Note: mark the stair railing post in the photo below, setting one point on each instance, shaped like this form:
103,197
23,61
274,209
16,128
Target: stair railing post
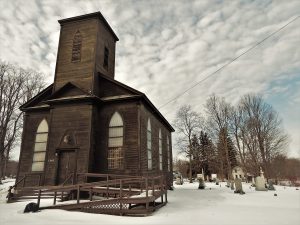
121,193
107,186
39,198
91,193
147,202
78,193
54,200
161,189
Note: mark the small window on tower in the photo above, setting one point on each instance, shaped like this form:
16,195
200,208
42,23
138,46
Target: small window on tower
76,49
106,53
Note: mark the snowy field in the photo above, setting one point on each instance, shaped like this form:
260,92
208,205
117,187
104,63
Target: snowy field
187,205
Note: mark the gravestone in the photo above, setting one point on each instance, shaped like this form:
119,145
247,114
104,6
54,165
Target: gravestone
217,181
260,184
201,183
227,183
178,181
232,185
238,186
271,186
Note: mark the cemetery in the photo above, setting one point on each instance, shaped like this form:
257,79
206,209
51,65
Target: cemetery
216,204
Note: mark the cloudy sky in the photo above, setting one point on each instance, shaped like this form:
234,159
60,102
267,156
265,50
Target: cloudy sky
167,46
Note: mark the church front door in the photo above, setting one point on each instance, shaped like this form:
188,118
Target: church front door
66,167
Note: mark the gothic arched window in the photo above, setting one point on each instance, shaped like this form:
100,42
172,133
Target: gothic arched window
76,49
160,149
115,142
40,147
149,145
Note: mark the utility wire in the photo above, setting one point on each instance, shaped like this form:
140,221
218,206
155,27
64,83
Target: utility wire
227,64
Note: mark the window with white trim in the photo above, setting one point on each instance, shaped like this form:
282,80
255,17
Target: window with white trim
40,147
160,149
115,142
149,145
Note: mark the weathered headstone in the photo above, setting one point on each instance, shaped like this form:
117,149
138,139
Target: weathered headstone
201,183
238,186
178,181
271,186
232,185
228,184
260,184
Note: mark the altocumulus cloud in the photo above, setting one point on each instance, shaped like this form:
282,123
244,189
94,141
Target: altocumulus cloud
167,46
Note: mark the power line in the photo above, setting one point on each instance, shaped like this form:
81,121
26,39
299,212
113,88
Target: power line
227,64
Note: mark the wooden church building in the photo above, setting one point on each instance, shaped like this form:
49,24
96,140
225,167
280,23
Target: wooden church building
86,121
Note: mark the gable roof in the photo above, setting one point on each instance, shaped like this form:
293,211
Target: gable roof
43,95
124,86
46,97
68,86
137,95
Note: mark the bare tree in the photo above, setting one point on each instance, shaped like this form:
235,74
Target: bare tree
261,131
218,121
17,86
187,123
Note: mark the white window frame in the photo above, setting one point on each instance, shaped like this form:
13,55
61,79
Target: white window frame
40,147
160,156
115,155
149,145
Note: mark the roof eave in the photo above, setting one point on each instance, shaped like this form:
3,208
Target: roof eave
89,16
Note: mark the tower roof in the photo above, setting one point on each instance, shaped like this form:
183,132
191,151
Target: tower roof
89,16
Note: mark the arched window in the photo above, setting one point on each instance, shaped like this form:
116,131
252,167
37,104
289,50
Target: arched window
169,155
76,49
160,149
115,142
40,147
149,145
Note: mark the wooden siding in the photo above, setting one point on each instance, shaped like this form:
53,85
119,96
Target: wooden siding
129,114
155,126
70,117
31,123
81,72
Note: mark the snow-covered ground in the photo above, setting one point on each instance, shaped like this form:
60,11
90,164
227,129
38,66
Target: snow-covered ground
187,205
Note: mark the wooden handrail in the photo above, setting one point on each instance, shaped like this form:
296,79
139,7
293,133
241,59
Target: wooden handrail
70,175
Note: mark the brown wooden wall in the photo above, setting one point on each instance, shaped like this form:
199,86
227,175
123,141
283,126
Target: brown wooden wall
155,126
81,72
103,114
75,118
31,122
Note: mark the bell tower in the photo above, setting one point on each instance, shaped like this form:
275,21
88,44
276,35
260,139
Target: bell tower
87,46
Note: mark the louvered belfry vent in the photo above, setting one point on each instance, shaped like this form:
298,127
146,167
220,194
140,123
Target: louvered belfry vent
76,50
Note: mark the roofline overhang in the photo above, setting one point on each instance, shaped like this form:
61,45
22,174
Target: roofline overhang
89,16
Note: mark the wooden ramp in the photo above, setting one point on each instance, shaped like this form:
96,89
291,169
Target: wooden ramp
136,196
